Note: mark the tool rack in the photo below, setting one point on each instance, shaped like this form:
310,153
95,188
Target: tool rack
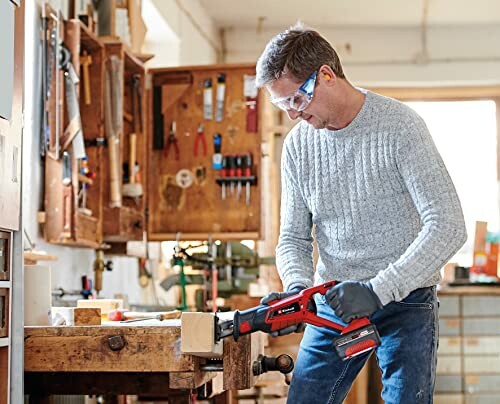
198,211
125,223
64,222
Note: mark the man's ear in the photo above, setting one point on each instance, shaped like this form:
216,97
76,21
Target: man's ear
327,73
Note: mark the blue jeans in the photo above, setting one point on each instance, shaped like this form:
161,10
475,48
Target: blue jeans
406,356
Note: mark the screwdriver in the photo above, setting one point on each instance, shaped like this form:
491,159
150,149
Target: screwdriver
247,172
223,174
239,173
230,172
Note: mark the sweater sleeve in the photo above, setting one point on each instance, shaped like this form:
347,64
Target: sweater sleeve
442,231
294,250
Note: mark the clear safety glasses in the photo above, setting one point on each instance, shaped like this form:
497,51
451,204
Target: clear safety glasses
302,97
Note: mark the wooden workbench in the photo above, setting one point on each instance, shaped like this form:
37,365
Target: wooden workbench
128,358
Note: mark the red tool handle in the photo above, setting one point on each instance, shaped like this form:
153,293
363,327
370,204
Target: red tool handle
292,310
300,308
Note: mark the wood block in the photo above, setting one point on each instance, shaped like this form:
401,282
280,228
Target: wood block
239,357
198,335
480,236
87,315
106,305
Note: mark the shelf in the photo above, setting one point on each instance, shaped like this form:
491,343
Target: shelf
4,284
226,236
88,39
243,180
4,342
32,257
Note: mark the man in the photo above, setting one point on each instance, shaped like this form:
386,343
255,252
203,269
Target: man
364,170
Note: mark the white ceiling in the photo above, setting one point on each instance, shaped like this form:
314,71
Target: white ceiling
336,13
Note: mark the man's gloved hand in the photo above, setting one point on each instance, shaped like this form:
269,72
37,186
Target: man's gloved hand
282,295
352,300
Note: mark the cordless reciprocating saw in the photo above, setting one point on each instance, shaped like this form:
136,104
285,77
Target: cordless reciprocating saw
357,337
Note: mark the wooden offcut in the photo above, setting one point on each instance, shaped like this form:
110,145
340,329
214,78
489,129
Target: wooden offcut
87,316
237,357
104,305
198,335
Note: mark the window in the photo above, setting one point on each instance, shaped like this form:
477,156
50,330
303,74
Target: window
465,134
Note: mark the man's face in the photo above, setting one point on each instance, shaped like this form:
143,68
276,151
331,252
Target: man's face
288,86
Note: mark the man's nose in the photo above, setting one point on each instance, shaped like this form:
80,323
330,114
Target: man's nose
293,114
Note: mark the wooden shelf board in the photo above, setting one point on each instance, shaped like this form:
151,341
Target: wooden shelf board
204,236
31,257
73,243
89,39
132,62
203,67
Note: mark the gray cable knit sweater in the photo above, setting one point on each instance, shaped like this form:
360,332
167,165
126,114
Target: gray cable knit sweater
382,202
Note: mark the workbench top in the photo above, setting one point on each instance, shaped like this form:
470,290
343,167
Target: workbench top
144,348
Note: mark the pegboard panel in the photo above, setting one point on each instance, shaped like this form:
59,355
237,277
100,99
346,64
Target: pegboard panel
198,211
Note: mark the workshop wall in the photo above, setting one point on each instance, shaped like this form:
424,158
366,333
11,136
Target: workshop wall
75,262
195,30
383,56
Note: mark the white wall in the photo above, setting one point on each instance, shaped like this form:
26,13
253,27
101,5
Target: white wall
388,56
196,33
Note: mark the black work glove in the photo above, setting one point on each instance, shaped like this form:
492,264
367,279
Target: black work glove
282,295
352,300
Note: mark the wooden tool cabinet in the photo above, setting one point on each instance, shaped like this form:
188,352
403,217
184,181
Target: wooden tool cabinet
198,211
65,222
127,222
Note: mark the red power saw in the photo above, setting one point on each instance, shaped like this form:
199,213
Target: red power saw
357,337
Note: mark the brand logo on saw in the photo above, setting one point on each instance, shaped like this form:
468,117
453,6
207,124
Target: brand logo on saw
286,310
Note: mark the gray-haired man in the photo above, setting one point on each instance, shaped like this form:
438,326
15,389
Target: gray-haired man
364,170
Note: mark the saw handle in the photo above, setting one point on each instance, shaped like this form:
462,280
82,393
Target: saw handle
295,309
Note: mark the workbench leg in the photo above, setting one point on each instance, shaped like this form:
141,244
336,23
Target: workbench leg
180,400
227,397
39,399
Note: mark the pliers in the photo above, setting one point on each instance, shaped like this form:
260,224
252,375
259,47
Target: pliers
172,140
200,137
